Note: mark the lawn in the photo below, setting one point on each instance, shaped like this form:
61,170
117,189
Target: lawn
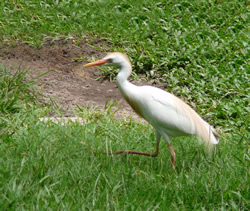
198,48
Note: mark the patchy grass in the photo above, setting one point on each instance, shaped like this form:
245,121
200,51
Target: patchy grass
199,48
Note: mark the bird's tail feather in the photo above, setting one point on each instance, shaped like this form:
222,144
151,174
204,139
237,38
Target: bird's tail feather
208,134
205,132
202,129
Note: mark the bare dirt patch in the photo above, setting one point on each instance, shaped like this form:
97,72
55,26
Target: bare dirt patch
69,83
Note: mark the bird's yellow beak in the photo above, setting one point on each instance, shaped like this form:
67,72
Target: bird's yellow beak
99,62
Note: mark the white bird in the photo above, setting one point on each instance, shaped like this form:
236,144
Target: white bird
169,115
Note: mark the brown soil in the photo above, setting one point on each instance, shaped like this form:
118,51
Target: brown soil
69,83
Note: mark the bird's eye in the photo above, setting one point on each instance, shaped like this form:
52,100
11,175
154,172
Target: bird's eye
109,60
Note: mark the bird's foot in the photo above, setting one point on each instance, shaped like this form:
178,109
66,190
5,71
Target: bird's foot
119,153
123,152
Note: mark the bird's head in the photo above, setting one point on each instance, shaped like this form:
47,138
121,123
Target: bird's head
116,58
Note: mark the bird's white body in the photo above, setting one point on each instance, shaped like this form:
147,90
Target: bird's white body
169,115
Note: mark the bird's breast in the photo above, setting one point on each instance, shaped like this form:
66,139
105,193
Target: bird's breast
134,104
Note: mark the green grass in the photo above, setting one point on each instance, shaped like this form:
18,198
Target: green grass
51,166
199,48
60,167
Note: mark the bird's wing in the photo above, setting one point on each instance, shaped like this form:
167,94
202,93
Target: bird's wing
166,111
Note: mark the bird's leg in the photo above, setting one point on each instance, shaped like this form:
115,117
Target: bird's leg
123,152
165,136
172,155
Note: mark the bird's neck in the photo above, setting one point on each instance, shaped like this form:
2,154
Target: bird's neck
128,90
122,77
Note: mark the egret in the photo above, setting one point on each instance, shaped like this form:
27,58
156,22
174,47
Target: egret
169,115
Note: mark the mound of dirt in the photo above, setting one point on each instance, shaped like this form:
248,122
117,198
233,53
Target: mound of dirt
69,84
